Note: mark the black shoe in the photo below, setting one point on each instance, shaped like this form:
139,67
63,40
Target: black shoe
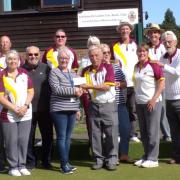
96,166
30,167
47,166
2,169
111,167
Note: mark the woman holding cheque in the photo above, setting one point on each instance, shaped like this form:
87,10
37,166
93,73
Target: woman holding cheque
64,106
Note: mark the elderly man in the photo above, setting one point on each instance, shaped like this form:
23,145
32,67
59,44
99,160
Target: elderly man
5,46
171,64
156,50
102,110
39,74
50,55
124,50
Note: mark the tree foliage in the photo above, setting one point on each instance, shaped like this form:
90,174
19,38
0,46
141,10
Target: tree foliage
169,24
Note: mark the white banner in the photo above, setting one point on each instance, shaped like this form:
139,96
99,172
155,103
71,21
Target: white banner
110,17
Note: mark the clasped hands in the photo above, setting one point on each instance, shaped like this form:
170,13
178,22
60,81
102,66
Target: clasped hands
20,111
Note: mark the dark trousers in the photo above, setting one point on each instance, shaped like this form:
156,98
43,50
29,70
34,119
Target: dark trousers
46,129
173,115
131,106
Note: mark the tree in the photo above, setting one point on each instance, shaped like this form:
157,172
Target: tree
169,20
169,23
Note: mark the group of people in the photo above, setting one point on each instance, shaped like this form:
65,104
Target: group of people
122,83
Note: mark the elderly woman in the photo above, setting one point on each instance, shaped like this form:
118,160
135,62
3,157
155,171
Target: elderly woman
16,93
123,116
149,83
64,105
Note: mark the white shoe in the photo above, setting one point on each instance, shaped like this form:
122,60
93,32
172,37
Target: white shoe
135,139
119,139
150,164
139,162
24,172
14,172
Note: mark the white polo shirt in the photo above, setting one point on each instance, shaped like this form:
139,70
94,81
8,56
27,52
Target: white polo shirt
2,63
16,91
155,53
126,54
104,75
145,79
172,75
50,57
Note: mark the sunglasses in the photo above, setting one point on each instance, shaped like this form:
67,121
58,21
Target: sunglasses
106,52
57,36
35,54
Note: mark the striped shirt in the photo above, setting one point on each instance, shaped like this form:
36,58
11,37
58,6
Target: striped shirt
119,77
62,91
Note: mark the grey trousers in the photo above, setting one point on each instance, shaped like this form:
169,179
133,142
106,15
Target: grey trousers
173,115
149,123
104,120
16,136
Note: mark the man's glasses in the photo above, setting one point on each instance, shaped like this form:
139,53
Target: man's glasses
168,42
57,36
106,52
35,54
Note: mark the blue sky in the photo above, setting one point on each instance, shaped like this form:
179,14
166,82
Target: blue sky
157,8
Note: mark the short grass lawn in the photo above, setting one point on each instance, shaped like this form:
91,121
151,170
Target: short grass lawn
81,158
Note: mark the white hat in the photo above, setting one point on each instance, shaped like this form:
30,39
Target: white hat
153,27
121,24
93,40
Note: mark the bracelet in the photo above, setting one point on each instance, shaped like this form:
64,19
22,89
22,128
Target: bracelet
27,105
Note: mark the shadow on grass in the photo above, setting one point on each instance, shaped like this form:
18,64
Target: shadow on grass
80,152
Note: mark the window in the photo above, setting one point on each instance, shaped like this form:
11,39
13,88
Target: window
8,6
59,3
19,5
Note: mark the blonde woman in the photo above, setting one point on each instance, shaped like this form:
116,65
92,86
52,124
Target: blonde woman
16,93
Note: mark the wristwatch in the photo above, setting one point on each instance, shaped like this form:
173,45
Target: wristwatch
27,105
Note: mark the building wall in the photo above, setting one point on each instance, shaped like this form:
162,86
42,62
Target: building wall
37,28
